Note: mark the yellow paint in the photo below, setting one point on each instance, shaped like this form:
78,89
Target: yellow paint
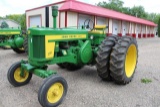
100,26
130,61
64,37
55,93
49,46
8,33
22,49
29,31
19,78
96,32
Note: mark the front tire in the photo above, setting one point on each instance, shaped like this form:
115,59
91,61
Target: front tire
14,76
124,60
53,91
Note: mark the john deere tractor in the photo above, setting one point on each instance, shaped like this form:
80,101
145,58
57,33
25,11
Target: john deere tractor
115,58
12,37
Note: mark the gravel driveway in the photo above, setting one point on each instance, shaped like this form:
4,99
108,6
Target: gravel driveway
86,89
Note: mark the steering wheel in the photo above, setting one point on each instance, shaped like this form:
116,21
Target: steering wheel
88,26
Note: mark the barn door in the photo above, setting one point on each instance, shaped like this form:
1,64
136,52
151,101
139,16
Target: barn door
35,21
115,27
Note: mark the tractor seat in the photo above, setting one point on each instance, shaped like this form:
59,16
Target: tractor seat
96,32
101,27
98,29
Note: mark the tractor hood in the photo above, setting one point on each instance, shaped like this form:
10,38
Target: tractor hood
51,31
10,31
44,42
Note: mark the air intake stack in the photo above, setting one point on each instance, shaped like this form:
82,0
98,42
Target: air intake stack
54,14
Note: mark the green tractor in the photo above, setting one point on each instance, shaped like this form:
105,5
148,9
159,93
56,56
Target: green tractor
12,38
115,58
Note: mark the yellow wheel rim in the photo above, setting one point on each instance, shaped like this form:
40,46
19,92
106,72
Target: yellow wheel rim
19,78
55,92
7,47
22,49
130,61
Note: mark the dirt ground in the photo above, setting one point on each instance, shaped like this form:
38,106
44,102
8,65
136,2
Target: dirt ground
85,88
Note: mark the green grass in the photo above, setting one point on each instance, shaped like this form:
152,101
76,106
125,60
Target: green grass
146,80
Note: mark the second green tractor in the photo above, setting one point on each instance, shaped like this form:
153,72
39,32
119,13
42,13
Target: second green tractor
115,58
14,39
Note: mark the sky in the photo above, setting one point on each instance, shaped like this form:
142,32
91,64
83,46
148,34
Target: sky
18,6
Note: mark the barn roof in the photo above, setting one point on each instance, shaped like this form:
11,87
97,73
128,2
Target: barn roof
76,6
1,20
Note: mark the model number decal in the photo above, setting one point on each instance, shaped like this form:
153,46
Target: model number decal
9,33
72,36
64,37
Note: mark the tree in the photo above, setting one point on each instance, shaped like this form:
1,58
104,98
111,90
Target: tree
116,5
126,10
159,28
4,25
138,11
151,16
15,17
23,22
156,18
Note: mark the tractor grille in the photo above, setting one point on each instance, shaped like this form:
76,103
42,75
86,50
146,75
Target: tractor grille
38,46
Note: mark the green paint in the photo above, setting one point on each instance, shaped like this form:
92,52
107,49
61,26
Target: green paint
146,80
43,73
19,42
10,31
54,14
54,21
39,71
85,52
11,37
39,46
72,50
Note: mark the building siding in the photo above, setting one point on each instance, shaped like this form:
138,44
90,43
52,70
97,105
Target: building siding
110,25
72,19
62,18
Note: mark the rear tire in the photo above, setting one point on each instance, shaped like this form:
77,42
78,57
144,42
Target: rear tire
103,57
124,60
